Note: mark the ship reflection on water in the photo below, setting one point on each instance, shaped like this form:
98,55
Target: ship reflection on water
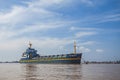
17,71
30,72
51,72
70,72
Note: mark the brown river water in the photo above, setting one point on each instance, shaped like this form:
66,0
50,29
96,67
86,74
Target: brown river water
16,71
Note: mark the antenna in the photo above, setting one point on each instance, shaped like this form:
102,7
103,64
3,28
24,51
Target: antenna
74,47
30,44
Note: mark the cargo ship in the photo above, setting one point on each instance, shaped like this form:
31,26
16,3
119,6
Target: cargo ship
31,56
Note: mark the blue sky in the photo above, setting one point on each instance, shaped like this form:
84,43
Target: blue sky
53,25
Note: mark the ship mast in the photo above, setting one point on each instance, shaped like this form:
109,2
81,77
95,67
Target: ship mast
74,47
30,44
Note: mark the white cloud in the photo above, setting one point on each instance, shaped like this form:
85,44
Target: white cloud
18,17
19,20
30,13
54,4
7,33
99,50
109,18
39,16
88,43
58,3
45,3
84,49
45,46
88,2
11,45
83,34
87,50
102,18
87,21
22,15
15,15
84,29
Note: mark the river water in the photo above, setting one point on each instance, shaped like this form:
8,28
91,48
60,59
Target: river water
16,71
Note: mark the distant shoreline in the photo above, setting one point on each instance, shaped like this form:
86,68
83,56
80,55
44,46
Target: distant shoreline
103,62
86,62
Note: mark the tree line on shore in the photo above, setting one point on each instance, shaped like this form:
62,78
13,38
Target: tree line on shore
102,62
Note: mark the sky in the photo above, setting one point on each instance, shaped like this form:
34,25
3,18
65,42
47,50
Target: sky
53,25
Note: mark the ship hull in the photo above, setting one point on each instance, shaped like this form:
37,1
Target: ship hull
75,61
68,59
